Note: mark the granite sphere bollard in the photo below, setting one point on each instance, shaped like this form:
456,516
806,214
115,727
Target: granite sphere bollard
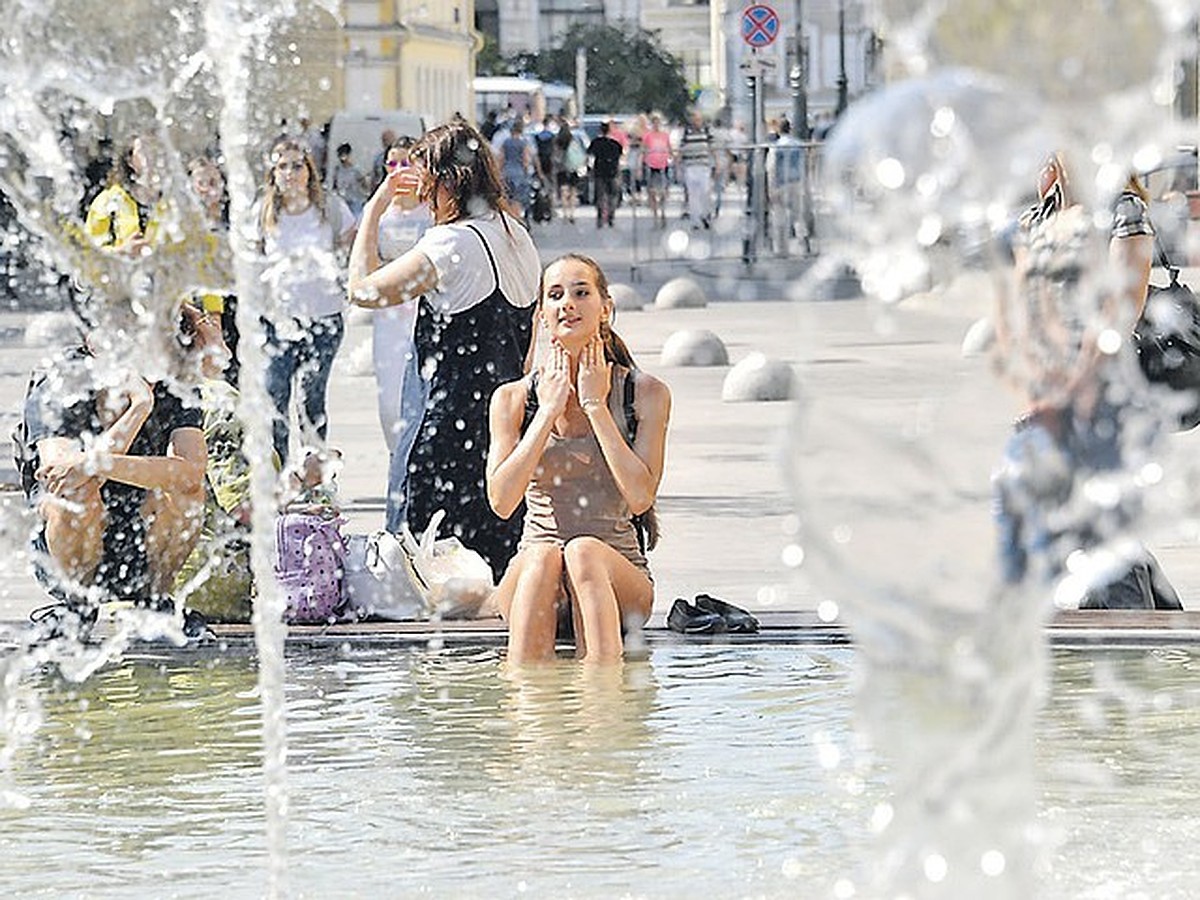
758,378
698,347
680,293
625,297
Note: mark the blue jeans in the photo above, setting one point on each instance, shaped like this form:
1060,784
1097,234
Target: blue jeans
414,393
307,355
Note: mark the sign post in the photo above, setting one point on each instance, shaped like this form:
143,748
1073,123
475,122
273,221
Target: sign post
759,28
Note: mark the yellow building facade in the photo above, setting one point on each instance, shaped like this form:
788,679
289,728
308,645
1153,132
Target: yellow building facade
417,55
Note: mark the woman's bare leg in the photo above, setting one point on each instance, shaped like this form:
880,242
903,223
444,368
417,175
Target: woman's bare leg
75,531
527,598
608,590
173,523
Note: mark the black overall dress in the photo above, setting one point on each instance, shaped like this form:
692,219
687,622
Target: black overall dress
466,356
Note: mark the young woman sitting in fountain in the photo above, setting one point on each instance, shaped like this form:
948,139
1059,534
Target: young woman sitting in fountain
562,440
115,469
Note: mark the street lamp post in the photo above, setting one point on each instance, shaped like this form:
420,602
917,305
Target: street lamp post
799,78
843,100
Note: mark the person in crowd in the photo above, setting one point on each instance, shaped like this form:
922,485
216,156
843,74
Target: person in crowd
474,276
302,229
216,579
605,152
400,386
786,164
517,161
543,141
1087,417
696,161
125,215
569,157
96,172
114,469
489,126
582,442
656,158
544,160
633,156
739,155
348,180
315,140
208,184
619,133
379,164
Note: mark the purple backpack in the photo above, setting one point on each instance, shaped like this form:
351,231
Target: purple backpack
310,557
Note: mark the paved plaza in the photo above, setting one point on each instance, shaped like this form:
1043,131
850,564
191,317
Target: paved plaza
729,519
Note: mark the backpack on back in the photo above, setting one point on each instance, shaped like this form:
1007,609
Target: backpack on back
575,159
310,561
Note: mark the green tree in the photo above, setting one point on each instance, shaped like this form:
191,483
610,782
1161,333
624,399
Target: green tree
488,60
628,70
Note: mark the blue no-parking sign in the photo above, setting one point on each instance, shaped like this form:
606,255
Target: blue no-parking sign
760,25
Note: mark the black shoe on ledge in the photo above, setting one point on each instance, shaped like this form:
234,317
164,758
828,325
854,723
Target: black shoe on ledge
687,619
737,620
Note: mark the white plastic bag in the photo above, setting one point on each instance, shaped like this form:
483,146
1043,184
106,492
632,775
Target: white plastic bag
378,579
455,580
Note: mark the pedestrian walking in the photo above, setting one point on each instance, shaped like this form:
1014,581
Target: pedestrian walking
605,153
696,161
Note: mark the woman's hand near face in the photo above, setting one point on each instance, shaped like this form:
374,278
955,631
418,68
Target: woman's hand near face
595,373
402,182
554,385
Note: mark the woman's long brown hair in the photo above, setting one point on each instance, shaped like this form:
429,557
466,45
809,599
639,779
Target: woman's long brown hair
273,198
456,157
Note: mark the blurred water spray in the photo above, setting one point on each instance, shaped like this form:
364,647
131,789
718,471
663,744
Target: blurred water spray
923,178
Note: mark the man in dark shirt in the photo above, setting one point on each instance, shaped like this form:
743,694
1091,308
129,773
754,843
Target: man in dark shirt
115,472
605,152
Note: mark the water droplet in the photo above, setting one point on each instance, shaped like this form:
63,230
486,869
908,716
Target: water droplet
936,867
890,173
793,556
992,863
1109,341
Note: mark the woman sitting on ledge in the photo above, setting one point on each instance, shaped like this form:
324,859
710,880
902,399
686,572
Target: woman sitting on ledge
582,441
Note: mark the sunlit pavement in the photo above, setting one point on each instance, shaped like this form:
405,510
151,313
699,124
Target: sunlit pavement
728,517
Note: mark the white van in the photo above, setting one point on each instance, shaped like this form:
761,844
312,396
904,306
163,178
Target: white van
362,130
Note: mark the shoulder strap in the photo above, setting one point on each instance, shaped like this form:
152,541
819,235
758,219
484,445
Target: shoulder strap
1160,253
630,414
531,403
488,250
642,521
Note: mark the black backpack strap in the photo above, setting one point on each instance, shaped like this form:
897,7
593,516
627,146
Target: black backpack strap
627,405
488,250
531,403
1160,253
631,425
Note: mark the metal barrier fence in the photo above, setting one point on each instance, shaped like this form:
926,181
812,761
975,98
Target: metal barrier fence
784,224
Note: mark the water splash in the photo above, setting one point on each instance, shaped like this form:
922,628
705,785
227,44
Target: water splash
893,488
